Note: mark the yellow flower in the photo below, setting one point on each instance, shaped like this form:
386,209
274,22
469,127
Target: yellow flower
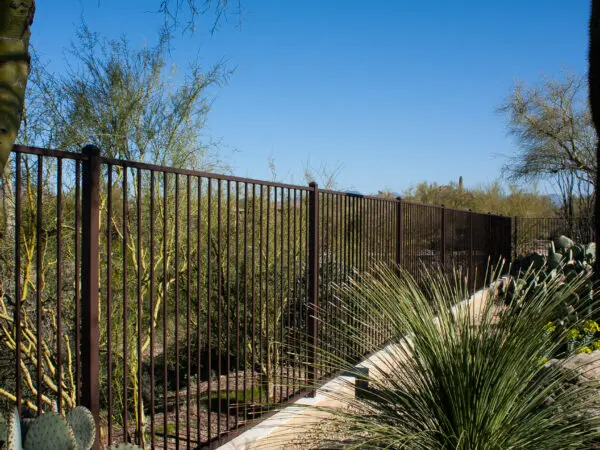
583,350
590,327
550,327
596,344
573,333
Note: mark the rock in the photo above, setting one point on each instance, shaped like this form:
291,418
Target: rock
579,371
585,367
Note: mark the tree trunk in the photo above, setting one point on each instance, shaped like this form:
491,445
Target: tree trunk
593,80
16,16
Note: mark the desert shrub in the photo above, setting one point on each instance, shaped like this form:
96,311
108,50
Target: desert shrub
460,377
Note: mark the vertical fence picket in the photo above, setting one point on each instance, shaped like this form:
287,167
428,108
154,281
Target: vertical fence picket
90,349
471,273
313,284
17,314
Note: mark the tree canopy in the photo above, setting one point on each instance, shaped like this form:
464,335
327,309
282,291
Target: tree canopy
552,124
125,100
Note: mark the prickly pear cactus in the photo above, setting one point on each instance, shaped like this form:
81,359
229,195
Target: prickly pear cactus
590,253
14,440
566,260
81,421
554,260
50,431
562,244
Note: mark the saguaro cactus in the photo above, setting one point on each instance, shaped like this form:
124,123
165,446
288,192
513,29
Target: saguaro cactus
15,21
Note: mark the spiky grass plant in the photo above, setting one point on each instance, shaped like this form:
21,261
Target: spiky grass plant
453,374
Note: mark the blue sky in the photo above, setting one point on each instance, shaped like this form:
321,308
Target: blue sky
396,92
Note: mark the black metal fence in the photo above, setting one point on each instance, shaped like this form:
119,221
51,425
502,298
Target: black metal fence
177,304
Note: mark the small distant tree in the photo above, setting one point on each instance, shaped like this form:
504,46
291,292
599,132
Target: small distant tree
324,174
552,124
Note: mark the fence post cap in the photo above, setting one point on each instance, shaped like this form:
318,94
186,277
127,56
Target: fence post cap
313,184
91,150
398,198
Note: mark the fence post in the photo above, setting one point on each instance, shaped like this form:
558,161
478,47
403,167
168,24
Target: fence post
491,253
399,235
443,240
516,238
313,284
471,279
506,241
90,188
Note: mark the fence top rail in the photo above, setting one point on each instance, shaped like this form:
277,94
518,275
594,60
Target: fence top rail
555,218
464,211
198,173
406,202
29,150
356,195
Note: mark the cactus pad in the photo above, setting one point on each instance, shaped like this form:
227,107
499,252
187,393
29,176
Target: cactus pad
554,260
14,441
82,423
50,431
578,252
590,252
562,244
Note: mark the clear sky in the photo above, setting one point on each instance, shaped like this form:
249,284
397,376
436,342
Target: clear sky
396,92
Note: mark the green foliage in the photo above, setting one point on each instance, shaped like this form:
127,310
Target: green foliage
171,429
241,404
455,376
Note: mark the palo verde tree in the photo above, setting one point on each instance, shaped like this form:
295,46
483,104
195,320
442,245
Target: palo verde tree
127,101
16,19
130,103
